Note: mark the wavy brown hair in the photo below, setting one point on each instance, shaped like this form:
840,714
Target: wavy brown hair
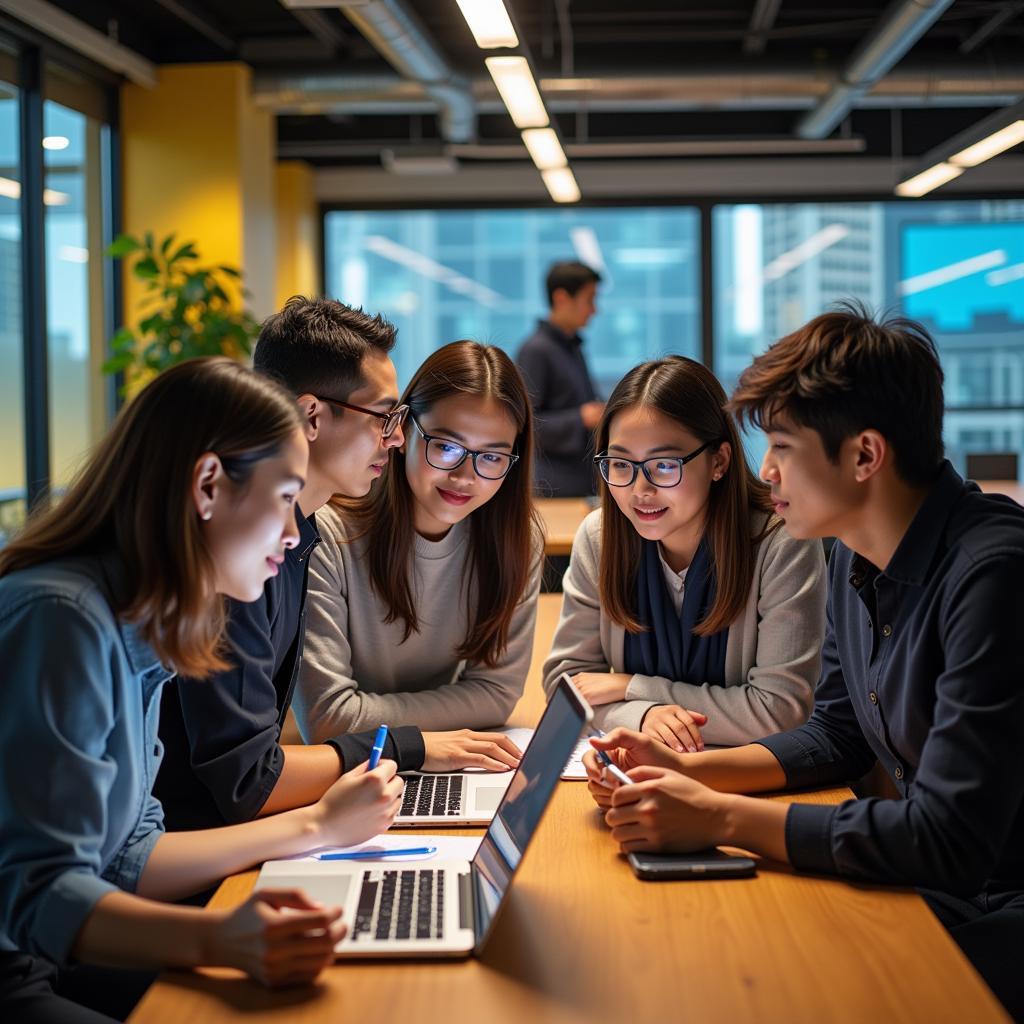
689,393
134,497
502,531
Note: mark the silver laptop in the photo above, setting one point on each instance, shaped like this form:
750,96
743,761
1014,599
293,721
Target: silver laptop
445,908
451,798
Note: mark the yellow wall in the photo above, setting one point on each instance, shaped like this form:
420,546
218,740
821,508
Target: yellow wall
298,232
198,160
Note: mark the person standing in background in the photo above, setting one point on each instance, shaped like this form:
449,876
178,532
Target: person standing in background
565,404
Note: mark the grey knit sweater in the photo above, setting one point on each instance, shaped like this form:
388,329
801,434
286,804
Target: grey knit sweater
357,672
773,651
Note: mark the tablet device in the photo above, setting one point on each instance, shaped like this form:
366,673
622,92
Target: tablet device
702,864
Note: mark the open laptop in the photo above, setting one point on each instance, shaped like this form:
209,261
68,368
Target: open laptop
469,798
444,908
451,798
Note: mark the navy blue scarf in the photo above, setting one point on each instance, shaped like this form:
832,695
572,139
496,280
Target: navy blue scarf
668,647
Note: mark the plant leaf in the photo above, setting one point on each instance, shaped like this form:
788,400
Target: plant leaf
122,246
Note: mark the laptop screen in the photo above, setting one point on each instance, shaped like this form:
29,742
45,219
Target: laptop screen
527,796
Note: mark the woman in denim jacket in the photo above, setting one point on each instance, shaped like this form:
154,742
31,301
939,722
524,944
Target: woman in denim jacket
189,498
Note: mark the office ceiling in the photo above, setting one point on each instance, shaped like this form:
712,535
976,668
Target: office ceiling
645,79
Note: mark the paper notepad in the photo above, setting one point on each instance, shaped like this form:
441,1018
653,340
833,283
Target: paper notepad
573,767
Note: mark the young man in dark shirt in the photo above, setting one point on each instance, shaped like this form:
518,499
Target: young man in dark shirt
921,665
223,762
565,403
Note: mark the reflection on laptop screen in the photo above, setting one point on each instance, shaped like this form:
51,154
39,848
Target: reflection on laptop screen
519,812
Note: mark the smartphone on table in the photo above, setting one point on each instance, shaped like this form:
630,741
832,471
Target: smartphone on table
712,863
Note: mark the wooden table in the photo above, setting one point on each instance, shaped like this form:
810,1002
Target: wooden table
1013,488
581,940
562,518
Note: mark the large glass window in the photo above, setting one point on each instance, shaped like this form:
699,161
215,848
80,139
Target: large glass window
74,145
445,275
12,424
55,222
956,266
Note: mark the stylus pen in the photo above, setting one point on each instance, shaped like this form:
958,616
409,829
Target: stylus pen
378,747
612,768
374,854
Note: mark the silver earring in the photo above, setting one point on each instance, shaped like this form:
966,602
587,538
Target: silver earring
207,514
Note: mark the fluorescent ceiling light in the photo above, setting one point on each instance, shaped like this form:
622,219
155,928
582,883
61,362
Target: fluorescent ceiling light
952,272
807,249
587,247
991,146
544,147
561,185
489,22
923,183
55,142
10,188
518,90
54,198
1005,275
426,267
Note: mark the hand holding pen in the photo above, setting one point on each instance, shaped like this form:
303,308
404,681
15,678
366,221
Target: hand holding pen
361,804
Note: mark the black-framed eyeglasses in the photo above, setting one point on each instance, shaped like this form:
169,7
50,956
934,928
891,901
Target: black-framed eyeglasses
391,420
442,453
664,471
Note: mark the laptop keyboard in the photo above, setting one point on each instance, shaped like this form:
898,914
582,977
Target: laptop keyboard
400,905
432,795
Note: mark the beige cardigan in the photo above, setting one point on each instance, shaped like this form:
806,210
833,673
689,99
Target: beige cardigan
772,655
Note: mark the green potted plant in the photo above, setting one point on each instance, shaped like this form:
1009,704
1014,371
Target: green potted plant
188,310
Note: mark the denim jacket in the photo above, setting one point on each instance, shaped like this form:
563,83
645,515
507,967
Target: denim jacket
79,708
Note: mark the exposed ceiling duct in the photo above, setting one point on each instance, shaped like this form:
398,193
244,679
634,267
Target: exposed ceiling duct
392,28
325,149
902,24
727,89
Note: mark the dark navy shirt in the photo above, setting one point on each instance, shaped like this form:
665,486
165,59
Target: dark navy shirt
557,378
221,735
922,669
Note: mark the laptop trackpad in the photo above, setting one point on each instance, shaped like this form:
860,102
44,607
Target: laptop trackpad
328,889
487,798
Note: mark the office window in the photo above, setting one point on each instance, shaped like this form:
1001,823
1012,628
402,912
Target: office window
956,266
75,146
56,203
12,423
442,275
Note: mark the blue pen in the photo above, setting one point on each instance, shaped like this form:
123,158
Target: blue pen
374,854
378,747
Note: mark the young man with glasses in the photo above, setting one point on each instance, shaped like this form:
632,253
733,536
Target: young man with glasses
223,761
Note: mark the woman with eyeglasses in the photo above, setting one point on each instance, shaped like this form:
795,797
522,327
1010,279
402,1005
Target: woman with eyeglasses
688,612
422,598
189,500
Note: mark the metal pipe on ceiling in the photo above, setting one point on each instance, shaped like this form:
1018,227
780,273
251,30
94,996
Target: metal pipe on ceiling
726,89
392,28
899,28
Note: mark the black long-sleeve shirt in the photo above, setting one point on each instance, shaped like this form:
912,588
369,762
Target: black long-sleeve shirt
221,736
922,669
558,381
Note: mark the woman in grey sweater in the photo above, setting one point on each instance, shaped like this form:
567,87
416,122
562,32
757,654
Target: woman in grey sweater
423,597
688,612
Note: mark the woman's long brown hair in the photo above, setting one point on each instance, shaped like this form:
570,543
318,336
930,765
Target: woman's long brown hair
503,532
690,394
134,498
